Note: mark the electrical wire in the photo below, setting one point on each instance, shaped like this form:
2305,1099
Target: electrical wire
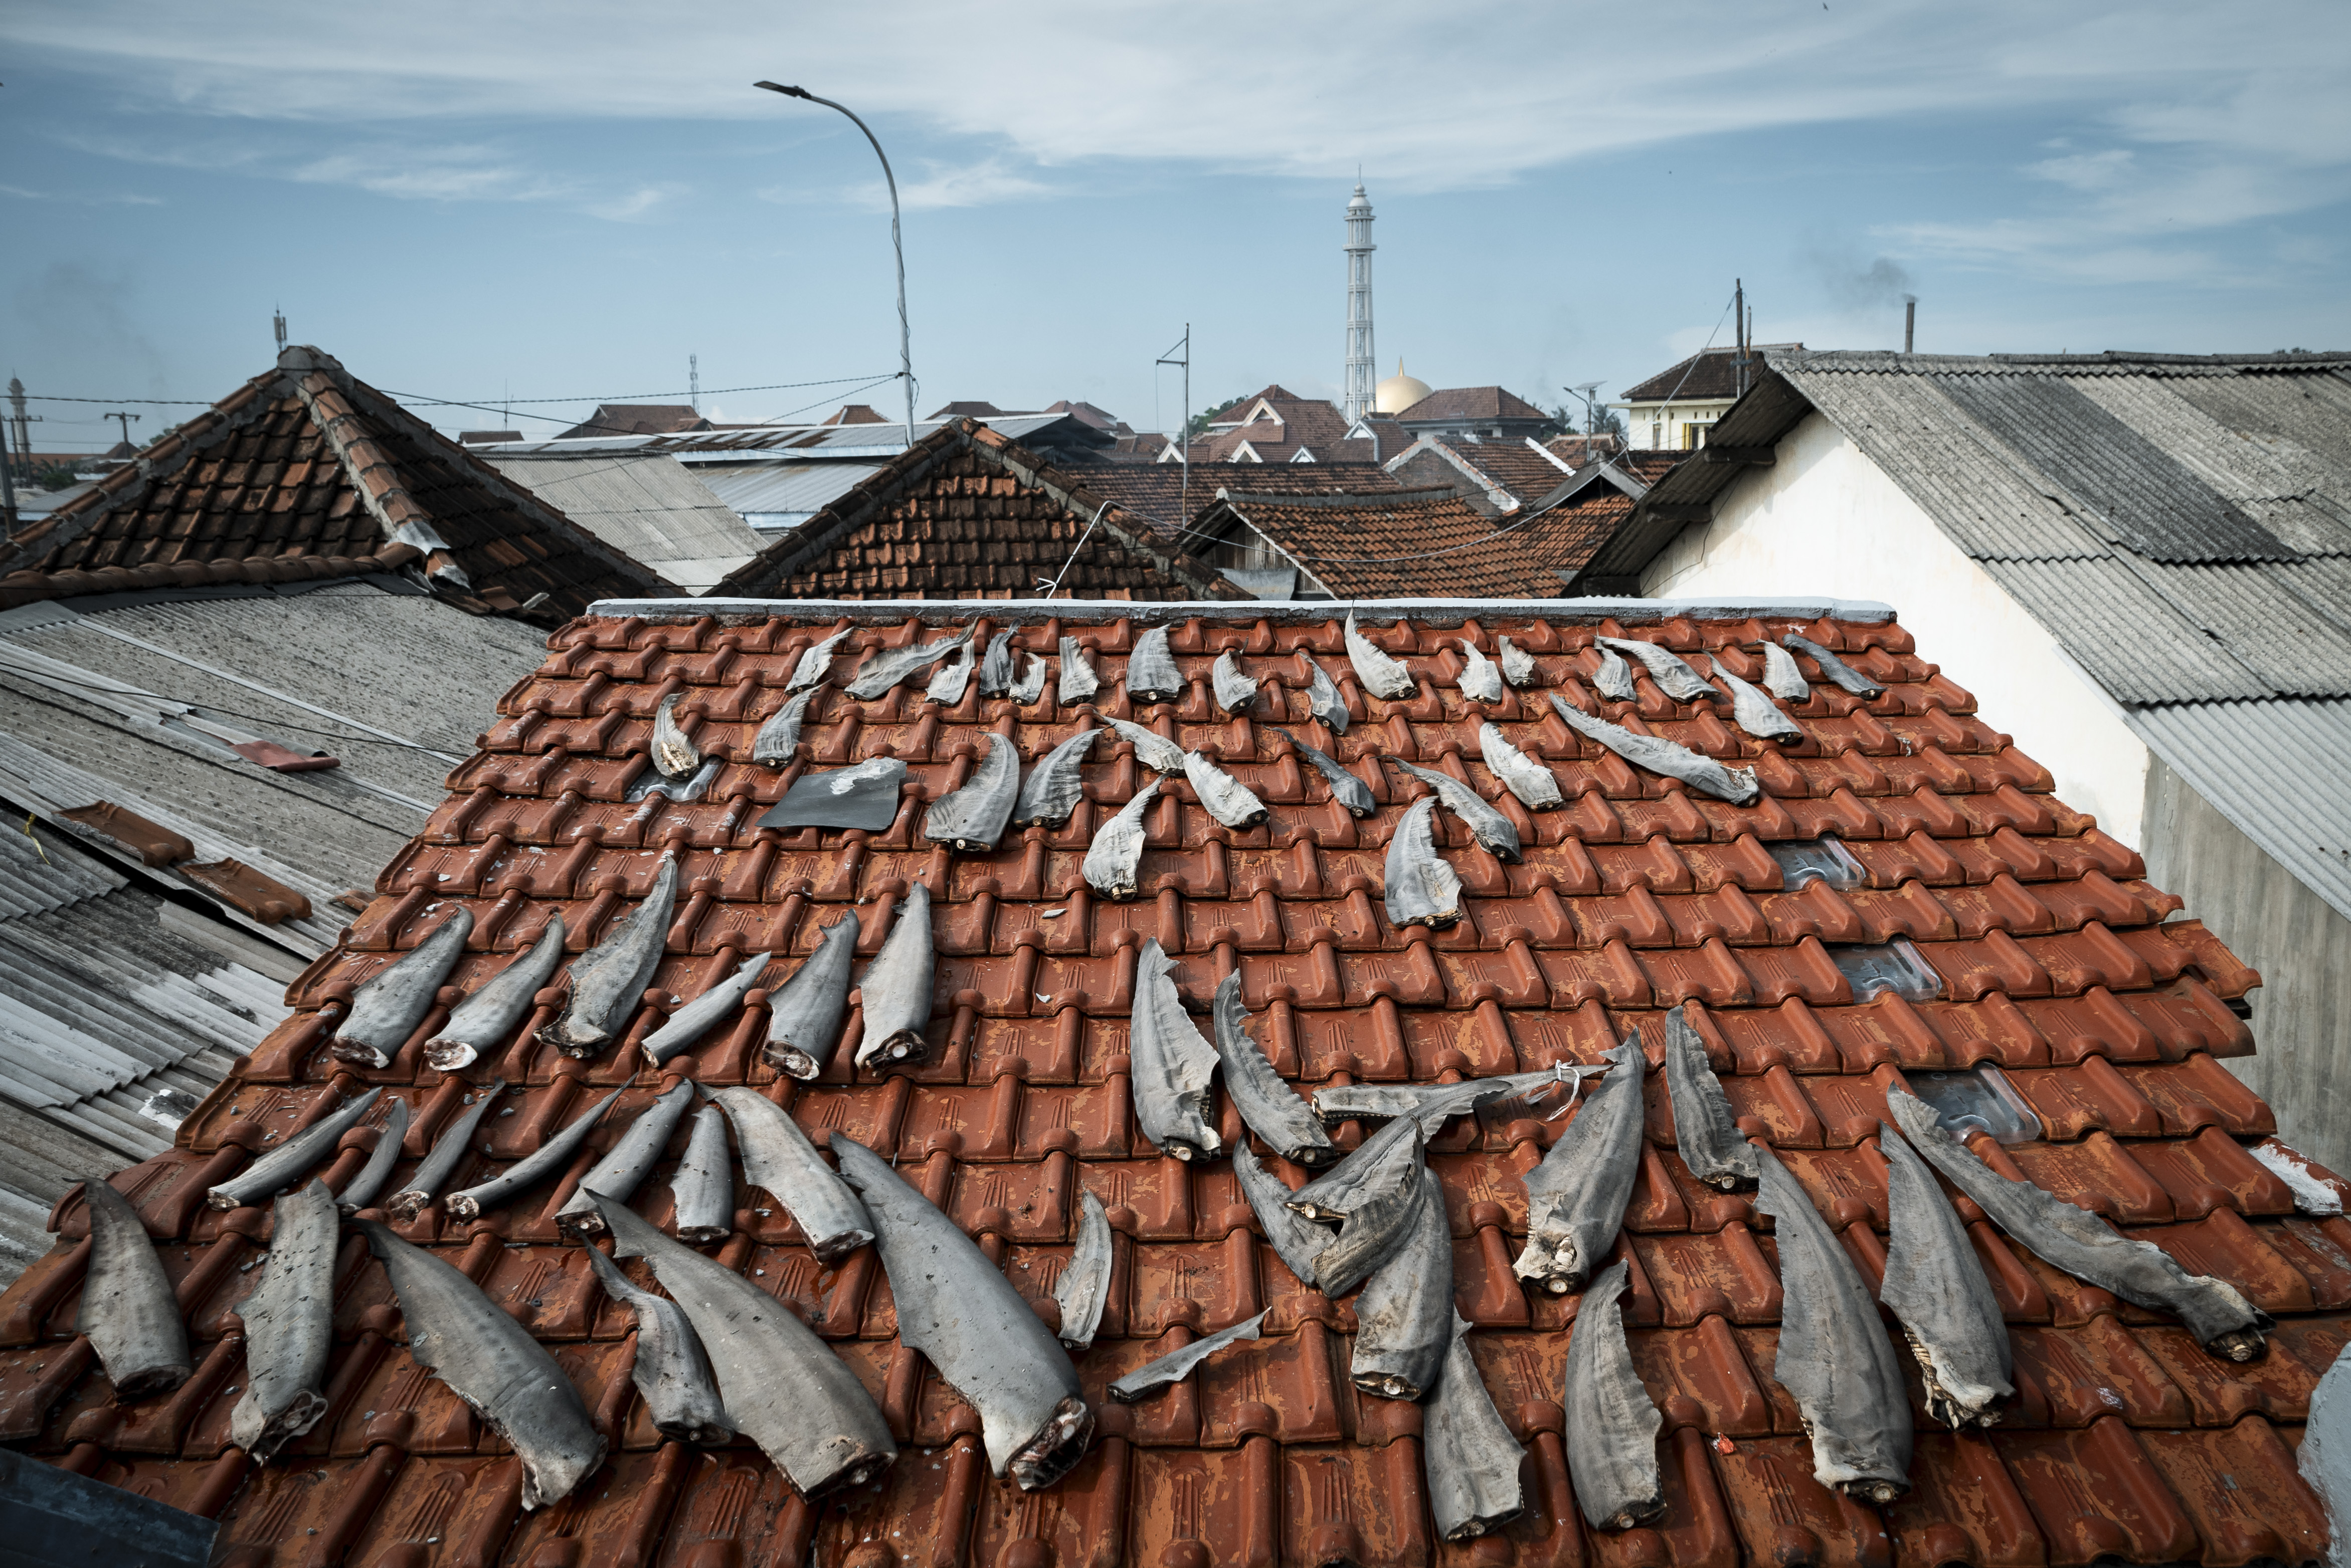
421,401
453,402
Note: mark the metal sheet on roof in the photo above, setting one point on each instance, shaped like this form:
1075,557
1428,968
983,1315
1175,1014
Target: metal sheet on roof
647,504
778,495
2135,643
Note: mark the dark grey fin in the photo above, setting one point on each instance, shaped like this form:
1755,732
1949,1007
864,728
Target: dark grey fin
1492,829
1297,1240
1150,674
1221,795
1834,1358
1083,1289
1935,1285
1178,1364
1323,701
1233,690
1055,785
1834,668
1077,683
1115,859
1031,683
1404,1318
817,662
951,679
864,797
619,1174
778,1156
1700,771
387,1008
364,1187
896,986
1380,674
985,1342
492,1363
608,980
1471,1458
698,1017
703,1186
1615,680
1576,1197
1421,889
485,1021
1706,1130
265,1175
128,1311
1381,1209
1782,678
999,667
289,1326
671,1371
519,1178
1380,1166
448,1152
674,755
1518,665
1673,676
1152,749
780,738
974,817
1346,788
1612,1423
1269,1107
1757,714
806,1013
1535,786
1337,1103
888,666
2081,1244
779,1385
1171,1064
1481,681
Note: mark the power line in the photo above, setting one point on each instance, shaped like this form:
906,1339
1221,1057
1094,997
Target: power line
420,401
453,403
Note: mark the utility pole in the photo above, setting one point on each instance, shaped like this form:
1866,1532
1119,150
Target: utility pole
1183,453
278,325
128,421
1739,328
694,380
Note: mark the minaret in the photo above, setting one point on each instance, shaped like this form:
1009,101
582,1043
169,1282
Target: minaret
1357,401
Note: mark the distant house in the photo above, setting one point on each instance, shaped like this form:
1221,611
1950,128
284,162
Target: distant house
1483,413
967,410
1277,425
1675,407
1157,493
1405,544
2141,562
1499,476
637,419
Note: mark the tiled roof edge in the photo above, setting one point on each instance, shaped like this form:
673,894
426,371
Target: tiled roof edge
1435,611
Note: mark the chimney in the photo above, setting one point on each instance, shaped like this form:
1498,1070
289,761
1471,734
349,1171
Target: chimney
1909,323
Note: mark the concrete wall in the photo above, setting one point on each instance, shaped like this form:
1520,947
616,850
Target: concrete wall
2302,1009
1824,519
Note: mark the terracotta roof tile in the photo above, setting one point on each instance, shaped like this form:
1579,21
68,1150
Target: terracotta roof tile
1372,546
1470,402
2056,962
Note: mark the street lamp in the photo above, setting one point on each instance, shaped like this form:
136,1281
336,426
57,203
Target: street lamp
905,348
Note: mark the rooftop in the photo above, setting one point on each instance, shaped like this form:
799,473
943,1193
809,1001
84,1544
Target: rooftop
1373,546
1470,402
1708,375
646,504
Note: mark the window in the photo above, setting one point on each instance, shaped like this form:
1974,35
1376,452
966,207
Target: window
1693,434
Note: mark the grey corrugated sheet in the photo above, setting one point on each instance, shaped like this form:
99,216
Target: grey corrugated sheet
102,1009
2276,770
780,494
2132,640
647,504
2232,466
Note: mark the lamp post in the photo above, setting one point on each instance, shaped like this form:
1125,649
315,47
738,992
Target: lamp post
905,348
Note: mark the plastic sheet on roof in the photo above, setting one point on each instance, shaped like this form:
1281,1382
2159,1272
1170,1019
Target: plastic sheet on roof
2057,963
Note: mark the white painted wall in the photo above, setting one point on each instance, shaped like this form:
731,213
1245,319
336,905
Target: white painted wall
1824,519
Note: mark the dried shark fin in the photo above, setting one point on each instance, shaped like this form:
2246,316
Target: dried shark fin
1269,1107
619,1174
1834,668
698,1017
1492,829
951,679
1405,1315
1576,1197
984,1340
128,1309
778,1155
1152,749
1757,714
1055,786
1535,786
608,980
487,1020
1615,679
1323,701
779,1385
1700,771
1381,1165
888,666
1518,665
674,755
1077,683
1834,1357
307,1148
806,1013
519,1178
289,1326
1612,1423
973,817
1706,1130
1178,1364
363,1189
1381,1211
1481,681
1113,860
492,1363
448,1152
1339,1102
671,1370
1172,1064
387,1008
1346,788
1935,1285
1233,690
703,1186
1150,673
1297,1240
1421,889
1381,674
780,738
1221,795
997,669
1031,684
1782,678
1083,1289
2083,1245
817,662
1673,676
896,986
1471,1458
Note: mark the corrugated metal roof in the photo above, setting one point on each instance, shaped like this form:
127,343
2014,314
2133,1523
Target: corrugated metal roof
778,494
645,503
2133,641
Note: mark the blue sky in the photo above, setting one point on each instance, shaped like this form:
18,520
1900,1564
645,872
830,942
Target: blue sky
525,201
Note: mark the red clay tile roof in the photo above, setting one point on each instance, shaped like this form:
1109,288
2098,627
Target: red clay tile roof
309,472
1414,544
1711,374
1470,402
2057,964
966,514
1511,466
1153,491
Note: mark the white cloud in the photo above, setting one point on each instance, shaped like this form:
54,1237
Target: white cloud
2086,171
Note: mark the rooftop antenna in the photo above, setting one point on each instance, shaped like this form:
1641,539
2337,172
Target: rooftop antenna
1739,328
694,380
1909,323
278,324
1184,452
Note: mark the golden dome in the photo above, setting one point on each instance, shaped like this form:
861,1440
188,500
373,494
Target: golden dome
1399,392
